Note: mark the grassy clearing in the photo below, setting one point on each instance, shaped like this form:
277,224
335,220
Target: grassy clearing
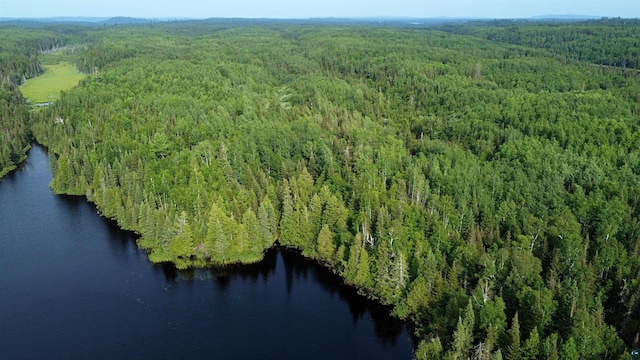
47,87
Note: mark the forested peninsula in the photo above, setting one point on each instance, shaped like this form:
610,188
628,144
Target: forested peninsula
482,179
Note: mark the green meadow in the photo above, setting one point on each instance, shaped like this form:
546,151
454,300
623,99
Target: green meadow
47,87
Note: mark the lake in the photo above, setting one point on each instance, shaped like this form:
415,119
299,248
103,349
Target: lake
74,286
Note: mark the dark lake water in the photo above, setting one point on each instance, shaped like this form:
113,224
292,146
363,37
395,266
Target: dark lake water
73,286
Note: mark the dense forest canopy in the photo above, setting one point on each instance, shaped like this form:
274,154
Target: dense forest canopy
485,185
612,42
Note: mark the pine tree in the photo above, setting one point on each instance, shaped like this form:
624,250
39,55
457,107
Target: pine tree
399,274
531,346
219,234
254,231
513,352
63,175
570,350
326,248
463,335
182,243
288,222
268,222
382,272
357,270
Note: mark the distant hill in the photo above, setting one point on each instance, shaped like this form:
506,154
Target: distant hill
378,21
65,19
49,20
91,21
565,17
37,22
120,20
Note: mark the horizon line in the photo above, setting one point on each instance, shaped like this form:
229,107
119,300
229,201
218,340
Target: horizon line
439,17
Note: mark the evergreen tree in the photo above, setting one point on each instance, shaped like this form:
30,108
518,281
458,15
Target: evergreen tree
531,346
514,351
182,244
326,248
569,350
463,335
268,222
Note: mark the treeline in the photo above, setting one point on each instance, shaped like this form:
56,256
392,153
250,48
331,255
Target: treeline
488,192
610,42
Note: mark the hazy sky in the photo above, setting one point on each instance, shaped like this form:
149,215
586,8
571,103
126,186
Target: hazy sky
317,8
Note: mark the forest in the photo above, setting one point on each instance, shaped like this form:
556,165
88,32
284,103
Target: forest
482,179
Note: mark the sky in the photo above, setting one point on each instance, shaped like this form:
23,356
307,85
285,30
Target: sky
317,8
